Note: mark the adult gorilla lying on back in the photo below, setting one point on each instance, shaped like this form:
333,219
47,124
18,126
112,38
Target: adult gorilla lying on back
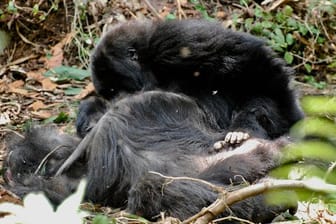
151,131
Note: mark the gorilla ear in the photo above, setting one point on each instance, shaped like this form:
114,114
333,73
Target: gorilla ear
132,54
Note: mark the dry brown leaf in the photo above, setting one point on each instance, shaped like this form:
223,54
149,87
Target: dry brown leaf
3,86
16,84
47,84
85,92
37,105
57,56
15,87
43,114
7,196
19,91
36,75
57,52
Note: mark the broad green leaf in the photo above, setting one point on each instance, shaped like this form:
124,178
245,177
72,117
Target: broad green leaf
308,67
310,150
61,117
62,73
289,39
170,17
314,127
287,10
72,91
288,57
320,105
100,219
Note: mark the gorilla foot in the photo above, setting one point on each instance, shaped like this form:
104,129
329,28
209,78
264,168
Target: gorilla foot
231,139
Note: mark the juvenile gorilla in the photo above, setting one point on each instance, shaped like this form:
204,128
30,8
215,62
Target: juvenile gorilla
221,69
32,162
155,131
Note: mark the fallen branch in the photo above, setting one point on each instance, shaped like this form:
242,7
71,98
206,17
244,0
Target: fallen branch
225,198
229,198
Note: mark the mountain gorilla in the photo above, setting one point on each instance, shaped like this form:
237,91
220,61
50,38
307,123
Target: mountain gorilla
172,94
221,69
156,131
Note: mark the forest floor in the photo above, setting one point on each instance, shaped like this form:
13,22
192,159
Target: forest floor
45,48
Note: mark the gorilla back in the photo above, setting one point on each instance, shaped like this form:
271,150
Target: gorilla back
196,57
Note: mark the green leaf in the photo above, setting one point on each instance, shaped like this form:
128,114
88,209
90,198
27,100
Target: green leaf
317,127
289,39
49,120
292,23
319,105
257,28
302,29
287,10
288,57
11,7
248,23
137,218
72,91
258,12
35,9
310,150
170,17
62,73
279,36
100,219
280,17
308,67
267,24
60,118
321,40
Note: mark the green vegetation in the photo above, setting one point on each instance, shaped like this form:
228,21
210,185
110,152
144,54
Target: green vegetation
300,31
314,153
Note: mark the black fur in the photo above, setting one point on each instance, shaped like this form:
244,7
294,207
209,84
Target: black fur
213,81
89,112
26,171
220,68
163,132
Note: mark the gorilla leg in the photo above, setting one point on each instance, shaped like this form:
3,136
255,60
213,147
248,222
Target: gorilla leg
153,194
183,198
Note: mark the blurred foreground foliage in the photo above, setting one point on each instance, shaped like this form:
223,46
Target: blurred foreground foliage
313,155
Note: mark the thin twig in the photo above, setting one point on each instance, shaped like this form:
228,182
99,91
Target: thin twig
276,5
330,169
230,217
180,11
66,11
46,157
21,60
212,186
24,38
12,131
153,10
18,106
